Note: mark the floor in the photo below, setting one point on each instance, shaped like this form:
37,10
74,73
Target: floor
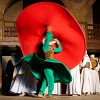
63,97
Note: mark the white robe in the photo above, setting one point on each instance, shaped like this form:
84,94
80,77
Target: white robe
86,82
57,89
96,80
24,81
86,77
74,87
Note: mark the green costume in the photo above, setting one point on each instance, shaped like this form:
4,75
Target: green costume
48,70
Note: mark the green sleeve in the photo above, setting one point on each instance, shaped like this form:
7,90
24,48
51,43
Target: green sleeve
48,38
58,49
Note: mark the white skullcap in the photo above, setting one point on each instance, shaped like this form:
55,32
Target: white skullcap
50,43
93,56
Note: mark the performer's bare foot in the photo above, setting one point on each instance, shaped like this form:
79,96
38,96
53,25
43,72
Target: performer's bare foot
40,96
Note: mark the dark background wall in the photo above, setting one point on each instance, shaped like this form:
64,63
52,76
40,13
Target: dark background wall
96,12
28,2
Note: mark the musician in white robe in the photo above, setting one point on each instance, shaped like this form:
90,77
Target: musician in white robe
23,81
86,77
95,75
74,87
